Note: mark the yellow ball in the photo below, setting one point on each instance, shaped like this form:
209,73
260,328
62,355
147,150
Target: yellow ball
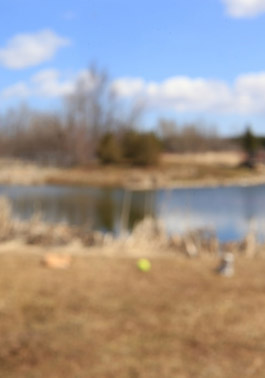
144,265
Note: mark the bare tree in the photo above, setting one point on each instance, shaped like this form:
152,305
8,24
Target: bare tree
72,136
90,111
94,109
190,137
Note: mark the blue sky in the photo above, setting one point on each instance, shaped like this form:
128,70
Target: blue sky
188,59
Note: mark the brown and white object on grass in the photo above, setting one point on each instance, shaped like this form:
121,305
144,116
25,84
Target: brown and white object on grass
56,261
226,266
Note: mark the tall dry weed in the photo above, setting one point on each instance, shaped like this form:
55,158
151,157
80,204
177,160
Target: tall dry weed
6,224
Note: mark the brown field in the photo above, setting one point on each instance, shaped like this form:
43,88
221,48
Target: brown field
102,317
174,170
226,158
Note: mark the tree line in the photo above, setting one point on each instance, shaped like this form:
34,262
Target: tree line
92,124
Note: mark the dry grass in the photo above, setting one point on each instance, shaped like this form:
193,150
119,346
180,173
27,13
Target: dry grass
104,318
227,158
175,170
148,236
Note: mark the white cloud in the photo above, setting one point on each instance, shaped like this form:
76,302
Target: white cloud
47,83
17,90
26,50
244,8
246,95
183,94
127,87
50,83
250,93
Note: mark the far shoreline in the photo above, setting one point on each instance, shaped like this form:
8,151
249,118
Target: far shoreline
191,171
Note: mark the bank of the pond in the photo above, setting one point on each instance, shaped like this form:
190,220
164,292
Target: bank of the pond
148,238
177,171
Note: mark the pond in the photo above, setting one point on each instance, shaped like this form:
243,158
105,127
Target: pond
227,210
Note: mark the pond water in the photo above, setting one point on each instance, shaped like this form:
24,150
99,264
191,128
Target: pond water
227,210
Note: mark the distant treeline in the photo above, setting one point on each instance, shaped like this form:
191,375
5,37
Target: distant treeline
93,125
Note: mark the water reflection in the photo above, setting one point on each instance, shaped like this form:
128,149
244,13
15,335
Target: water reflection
105,210
226,210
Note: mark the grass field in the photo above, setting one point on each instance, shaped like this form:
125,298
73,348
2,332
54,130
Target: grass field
174,170
104,318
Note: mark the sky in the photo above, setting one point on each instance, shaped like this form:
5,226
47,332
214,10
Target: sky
188,60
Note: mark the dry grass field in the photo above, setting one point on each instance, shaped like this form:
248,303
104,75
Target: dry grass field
103,317
174,170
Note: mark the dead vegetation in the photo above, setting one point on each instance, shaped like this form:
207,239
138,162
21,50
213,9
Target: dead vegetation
148,237
105,318
173,171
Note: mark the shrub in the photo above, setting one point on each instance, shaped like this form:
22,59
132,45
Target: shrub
249,142
250,145
141,148
109,150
